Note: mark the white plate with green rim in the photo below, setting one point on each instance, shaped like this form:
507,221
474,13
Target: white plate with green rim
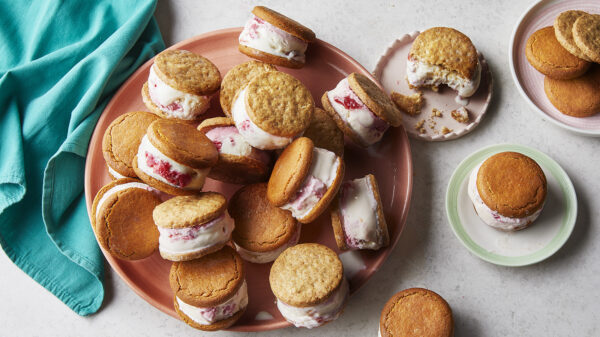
528,246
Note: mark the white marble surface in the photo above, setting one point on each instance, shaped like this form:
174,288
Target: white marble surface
558,297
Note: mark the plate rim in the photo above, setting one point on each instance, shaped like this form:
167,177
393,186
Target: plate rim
569,220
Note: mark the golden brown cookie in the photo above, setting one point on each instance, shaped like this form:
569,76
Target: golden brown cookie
546,55
186,211
375,99
187,72
577,97
237,78
289,172
563,29
324,133
416,312
284,23
586,33
410,105
512,184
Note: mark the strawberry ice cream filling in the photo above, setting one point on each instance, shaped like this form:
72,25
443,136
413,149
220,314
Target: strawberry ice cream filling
208,316
420,74
121,187
320,177
175,103
157,165
359,217
315,316
261,35
195,238
253,134
356,114
227,140
265,257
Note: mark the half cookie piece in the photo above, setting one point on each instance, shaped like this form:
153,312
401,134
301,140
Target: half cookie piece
192,226
122,219
309,294
174,157
305,179
357,216
274,38
272,110
237,78
442,55
180,85
239,162
210,292
361,109
262,231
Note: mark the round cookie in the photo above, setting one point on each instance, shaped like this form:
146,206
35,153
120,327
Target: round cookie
188,72
577,97
586,33
563,29
122,139
186,211
547,56
289,172
375,99
324,133
416,312
512,184
237,78
284,23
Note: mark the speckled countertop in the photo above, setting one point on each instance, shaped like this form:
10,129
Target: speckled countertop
557,297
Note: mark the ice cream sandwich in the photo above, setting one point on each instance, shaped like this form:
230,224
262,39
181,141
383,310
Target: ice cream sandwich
237,78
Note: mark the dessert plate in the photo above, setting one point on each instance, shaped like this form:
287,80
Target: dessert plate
390,161
529,81
391,72
539,241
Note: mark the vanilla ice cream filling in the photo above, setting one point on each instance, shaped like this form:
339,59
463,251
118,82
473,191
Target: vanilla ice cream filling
118,188
492,217
208,316
261,35
356,114
320,177
175,103
264,257
358,209
114,173
253,134
195,238
421,74
314,316
160,167
228,140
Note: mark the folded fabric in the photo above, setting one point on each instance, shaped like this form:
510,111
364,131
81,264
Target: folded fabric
60,63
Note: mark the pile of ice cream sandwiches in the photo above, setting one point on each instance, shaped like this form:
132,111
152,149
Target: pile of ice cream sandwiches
286,153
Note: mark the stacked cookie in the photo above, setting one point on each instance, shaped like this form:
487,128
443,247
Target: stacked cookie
567,54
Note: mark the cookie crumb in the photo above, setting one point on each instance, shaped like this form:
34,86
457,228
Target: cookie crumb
436,113
419,126
461,115
408,104
446,131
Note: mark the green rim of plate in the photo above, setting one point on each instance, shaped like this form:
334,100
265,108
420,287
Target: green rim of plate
566,187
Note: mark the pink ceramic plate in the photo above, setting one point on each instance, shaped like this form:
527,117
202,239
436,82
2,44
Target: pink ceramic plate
390,161
529,81
391,72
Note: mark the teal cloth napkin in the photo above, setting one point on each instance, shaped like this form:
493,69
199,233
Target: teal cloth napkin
60,63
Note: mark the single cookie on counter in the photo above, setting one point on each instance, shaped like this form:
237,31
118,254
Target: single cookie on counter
361,109
210,292
174,157
262,231
563,29
548,56
180,85
416,312
121,218
237,78
309,294
586,34
508,191
239,162
274,38
357,216
443,55
272,110
192,226
324,133
121,141
305,179
578,97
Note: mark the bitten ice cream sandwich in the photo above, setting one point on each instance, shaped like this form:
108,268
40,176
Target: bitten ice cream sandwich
210,292
309,294
174,157
442,55
508,191
262,231
305,179
274,38
237,78
122,219
192,226
357,216
272,110
361,109
239,162
180,85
